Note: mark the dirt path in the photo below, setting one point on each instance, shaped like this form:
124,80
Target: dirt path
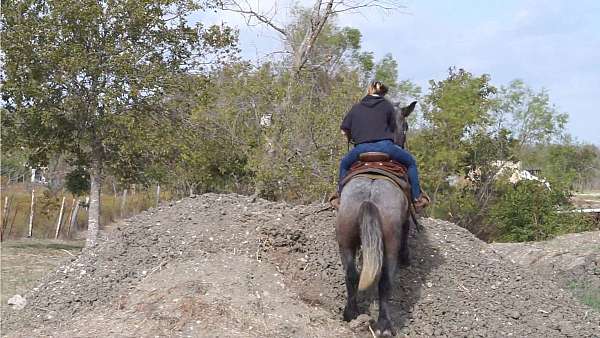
223,266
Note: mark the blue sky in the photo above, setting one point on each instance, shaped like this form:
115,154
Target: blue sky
549,44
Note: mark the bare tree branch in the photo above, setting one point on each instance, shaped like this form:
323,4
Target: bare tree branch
351,6
319,20
249,13
321,12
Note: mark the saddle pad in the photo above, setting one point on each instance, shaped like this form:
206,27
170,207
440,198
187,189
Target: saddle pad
376,177
392,167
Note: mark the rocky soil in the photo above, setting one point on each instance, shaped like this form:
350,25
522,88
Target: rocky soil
572,261
228,266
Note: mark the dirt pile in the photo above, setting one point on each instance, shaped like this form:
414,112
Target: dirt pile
573,261
222,265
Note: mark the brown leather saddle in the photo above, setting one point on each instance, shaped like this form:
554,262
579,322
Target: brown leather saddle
377,165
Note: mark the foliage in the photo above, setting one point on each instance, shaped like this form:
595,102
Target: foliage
77,181
129,88
529,211
95,70
570,164
454,111
531,116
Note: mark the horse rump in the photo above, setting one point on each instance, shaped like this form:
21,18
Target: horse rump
372,244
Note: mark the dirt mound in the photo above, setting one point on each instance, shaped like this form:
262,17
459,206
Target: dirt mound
221,265
573,261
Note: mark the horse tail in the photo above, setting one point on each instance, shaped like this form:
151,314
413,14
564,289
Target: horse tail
372,244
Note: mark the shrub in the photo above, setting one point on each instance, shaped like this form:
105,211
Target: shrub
528,211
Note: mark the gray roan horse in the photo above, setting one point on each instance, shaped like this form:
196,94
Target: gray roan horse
374,216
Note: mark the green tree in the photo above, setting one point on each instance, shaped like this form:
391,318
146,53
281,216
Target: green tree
386,71
530,115
401,91
454,112
80,74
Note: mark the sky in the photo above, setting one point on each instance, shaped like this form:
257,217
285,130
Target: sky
551,44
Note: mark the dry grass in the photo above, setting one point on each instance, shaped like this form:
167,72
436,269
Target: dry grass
47,207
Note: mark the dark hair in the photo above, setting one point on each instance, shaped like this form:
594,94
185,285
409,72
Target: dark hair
377,87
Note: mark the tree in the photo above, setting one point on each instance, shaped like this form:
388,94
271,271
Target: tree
303,42
530,115
80,75
402,91
455,110
386,71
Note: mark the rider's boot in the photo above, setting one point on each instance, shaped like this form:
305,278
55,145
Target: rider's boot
334,200
423,201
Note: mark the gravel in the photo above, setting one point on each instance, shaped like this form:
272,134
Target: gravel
456,285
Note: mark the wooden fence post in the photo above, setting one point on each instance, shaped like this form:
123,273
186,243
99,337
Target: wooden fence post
4,210
31,210
12,221
60,214
123,202
68,218
73,219
4,219
157,194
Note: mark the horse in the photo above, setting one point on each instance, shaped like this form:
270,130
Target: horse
374,216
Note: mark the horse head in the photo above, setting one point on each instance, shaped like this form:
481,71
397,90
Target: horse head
402,123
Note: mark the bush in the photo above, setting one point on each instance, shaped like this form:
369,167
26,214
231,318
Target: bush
529,211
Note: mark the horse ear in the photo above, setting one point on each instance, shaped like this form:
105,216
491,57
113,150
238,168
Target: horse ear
409,109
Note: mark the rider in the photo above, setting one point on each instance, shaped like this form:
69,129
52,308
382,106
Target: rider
370,124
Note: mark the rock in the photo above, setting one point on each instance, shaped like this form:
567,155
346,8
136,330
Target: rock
567,329
17,302
360,322
428,330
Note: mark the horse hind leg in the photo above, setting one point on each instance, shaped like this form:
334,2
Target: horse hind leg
348,262
403,254
383,327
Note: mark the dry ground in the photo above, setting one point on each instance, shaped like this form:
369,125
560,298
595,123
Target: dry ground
227,266
24,262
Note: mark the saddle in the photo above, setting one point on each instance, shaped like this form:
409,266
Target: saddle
377,165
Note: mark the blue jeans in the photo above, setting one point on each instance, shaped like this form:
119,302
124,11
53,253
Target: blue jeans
396,153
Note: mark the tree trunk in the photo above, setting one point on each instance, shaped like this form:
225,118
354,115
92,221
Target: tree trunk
94,204
60,215
31,210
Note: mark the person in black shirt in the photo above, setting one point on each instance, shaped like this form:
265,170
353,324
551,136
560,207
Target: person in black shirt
370,124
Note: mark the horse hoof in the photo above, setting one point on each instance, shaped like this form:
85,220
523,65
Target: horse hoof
385,333
350,315
385,330
402,264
